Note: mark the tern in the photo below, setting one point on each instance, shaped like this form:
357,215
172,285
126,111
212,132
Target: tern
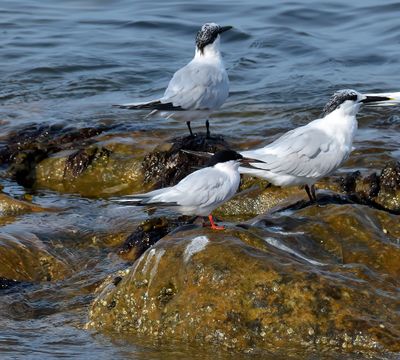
197,89
308,153
200,192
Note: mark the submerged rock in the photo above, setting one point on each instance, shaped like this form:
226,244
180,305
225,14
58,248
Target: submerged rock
316,280
24,257
10,206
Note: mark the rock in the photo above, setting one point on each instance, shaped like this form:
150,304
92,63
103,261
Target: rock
147,234
389,194
381,191
256,196
25,258
93,171
10,206
342,233
348,183
28,146
22,169
308,280
168,164
80,160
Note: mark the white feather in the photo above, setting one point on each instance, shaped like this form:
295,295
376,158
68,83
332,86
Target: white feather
306,154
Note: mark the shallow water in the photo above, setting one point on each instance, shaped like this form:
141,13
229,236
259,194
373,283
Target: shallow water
66,62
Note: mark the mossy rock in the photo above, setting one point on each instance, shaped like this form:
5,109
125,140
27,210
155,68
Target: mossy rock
24,257
235,290
91,172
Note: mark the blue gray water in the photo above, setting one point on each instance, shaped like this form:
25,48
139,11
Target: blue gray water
68,61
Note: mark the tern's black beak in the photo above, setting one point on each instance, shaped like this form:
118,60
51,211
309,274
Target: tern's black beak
372,99
224,28
247,162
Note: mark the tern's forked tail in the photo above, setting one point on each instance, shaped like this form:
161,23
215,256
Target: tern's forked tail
150,105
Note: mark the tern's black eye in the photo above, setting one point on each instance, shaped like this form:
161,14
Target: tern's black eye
224,156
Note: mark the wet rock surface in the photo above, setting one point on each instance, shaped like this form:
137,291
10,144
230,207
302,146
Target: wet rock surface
147,234
323,276
93,171
168,164
382,191
26,147
78,161
10,206
24,257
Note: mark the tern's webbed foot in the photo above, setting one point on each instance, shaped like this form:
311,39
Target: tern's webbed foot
214,226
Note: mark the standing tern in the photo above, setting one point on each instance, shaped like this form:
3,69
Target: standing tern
308,153
200,192
198,88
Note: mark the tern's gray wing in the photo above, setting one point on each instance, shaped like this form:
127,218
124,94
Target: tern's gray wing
204,187
198,86
303,152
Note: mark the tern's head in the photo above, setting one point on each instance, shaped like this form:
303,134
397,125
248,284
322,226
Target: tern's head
208,35
349,101
224,156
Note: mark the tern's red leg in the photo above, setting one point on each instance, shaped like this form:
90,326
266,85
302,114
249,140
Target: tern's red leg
213,225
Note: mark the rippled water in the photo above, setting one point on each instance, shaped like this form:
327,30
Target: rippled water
68,61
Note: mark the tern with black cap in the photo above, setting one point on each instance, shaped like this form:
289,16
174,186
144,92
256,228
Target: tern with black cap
308,153
200,192
197,89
